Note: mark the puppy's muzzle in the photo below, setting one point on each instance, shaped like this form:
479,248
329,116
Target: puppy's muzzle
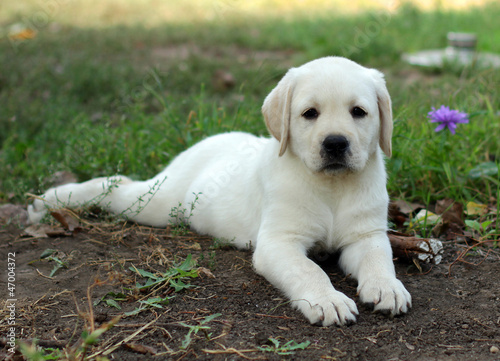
334,151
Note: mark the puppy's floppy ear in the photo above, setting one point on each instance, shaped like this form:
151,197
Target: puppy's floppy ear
276,110
385,112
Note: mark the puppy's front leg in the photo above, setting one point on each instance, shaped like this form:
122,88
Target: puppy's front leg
370,262
284,263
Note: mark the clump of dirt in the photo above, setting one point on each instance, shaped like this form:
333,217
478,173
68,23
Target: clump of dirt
229,312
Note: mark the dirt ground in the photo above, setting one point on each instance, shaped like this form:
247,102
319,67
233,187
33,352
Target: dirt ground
455,316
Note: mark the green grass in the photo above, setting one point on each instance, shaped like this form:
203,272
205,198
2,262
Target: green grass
288,348
124,91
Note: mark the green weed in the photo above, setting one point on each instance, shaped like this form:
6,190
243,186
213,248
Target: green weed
172,276
482,229
52,255
78,351
288,348
153,302
181,216
175,277
111,299
139,205
221,243
195,329
35,353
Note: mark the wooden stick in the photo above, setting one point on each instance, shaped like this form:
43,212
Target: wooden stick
428,250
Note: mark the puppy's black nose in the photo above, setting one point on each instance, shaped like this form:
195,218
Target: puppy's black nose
335,145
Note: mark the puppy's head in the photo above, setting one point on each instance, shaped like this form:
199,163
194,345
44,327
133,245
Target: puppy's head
332,113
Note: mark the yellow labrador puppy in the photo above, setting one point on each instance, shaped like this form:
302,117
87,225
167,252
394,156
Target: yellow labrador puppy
320,180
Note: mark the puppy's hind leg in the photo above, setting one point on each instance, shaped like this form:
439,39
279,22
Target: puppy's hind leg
94,191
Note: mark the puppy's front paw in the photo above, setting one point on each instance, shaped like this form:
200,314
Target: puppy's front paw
387,294
327,308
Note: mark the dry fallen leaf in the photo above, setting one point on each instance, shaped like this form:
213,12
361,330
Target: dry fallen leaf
45,231
475,209
407,207
194,246
37,231
69,226
396,216
451,211
401,211
425,217
206,272
67,220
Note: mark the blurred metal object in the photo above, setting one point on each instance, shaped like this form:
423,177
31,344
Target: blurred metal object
461,51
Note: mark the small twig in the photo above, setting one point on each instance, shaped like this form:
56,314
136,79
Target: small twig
224,333
125,340
41,274
232,350
59,294
187,353
271,316
46,307
201,298
373,339
163,324
244,260
450,346
95,241
463,254
411,247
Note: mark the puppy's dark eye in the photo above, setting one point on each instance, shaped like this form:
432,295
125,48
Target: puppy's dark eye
358,112
311,114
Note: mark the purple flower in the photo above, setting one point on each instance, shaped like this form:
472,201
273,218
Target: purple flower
447,118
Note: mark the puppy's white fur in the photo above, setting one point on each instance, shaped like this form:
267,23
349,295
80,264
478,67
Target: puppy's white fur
279,196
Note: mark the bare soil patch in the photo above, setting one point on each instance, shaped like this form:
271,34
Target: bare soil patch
455,316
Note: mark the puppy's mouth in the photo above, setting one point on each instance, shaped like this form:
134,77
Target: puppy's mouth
334,160
335,167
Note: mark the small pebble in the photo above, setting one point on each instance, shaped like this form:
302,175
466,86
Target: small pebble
494,349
